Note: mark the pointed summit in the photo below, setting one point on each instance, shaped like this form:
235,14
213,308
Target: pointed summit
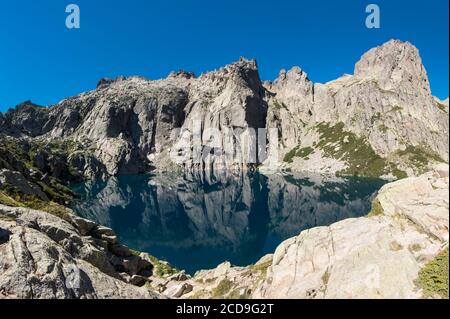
393,63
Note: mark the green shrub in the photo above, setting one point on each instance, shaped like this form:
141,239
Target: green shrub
433,278
289,157
298,152
162,269
346,146
276,105
419,157
377,209
222,289
262,268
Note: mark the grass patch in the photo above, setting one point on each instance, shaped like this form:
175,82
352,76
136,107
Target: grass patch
298,152
57,192
441,107
346,146
376,117
262,267
414,248
222,289
397,108
6,218
398,173
326,277
419,157
162,269
277,105
383,128
20,155
361,158
433,278
10,196
376,210
289,157
8,201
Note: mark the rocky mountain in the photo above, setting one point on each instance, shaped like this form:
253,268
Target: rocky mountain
383,115
381,121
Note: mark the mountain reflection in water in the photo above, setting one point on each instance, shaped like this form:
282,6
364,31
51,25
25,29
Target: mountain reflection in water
198,221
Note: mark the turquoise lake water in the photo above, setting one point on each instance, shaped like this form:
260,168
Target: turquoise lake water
198,221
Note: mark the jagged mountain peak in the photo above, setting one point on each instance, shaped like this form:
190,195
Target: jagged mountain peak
127,122
182,74
394,63
26,106
295,74
105,82
239,68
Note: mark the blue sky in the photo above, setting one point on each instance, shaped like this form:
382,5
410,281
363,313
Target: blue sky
41,60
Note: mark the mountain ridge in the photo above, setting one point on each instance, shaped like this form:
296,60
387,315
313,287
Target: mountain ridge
126,125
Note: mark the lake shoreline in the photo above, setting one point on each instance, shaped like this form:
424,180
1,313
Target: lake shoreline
418,242
197,222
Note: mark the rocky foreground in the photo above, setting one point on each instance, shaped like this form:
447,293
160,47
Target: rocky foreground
44,256
379,256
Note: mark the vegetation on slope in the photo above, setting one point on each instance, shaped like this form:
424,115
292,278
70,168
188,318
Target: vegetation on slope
376,210
419,157
361,158
298,152
161,268
433,278
222,289
13,198
24,157
442,107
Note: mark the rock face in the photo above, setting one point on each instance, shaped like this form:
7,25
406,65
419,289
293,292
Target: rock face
17,180
368,257
387,103
46,257
129,125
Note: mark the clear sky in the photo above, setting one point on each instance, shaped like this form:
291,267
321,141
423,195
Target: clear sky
43,61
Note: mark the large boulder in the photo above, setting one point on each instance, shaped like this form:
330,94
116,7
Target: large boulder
44,256
378,256
368,257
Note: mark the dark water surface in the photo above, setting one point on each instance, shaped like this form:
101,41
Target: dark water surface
197,222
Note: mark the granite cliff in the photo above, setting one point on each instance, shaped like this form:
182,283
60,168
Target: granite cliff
381,121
